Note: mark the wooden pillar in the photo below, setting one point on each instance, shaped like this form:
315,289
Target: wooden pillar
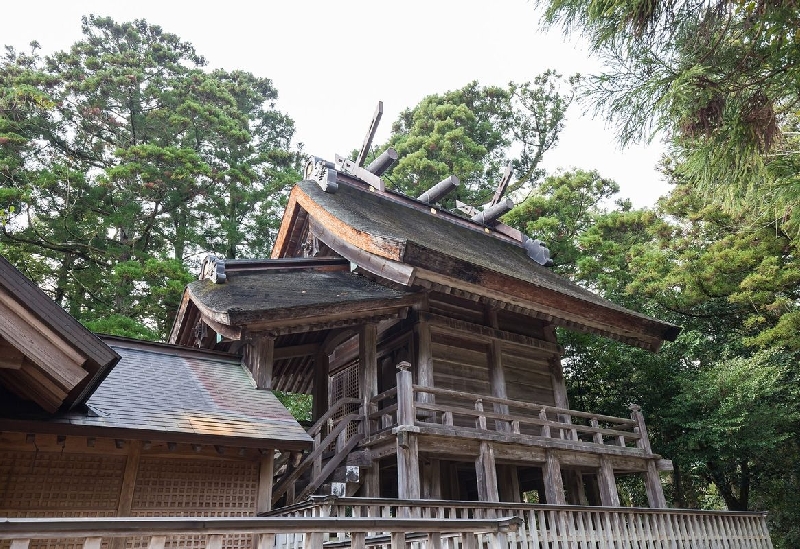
486,471
576,494
371,485
497,381
652,484
424,359
368,367
128,487
321,402
266,474
592,490
553,483
408,483
407,466
508,484
608,484
431,479
258,358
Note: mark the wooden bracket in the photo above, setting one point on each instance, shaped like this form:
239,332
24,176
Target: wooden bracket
352,169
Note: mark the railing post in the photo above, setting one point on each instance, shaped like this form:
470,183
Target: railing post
644,441
481,418
545,432
596,437
406,410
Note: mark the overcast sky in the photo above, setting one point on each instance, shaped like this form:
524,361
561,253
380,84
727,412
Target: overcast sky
331,62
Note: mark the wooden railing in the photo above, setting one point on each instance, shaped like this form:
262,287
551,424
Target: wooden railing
477,414
339,438
272,532
571,527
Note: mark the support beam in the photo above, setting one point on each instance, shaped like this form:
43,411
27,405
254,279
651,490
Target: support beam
10,357
295,351
128,486
431,479
497,382
321,379
508,483
266,474
608,484
408,482
368,367
259,357
424,359
486,471
652,484
407,466
553,483
371,485
576,494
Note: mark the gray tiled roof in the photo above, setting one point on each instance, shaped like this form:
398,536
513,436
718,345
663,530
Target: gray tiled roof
264,295
158,389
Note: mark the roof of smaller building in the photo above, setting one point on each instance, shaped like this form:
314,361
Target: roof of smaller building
163,392
32,322
249,295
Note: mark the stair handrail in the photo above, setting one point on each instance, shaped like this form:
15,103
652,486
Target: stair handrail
286,482
331,466
330,413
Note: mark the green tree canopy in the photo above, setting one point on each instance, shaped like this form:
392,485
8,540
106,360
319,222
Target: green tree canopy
721,79
122,156
475,131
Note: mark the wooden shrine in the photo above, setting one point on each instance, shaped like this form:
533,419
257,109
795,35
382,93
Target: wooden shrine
427,340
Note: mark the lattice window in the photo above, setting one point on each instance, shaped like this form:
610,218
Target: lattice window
344,384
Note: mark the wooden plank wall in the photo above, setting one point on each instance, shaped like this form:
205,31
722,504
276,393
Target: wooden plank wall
527,373
461,365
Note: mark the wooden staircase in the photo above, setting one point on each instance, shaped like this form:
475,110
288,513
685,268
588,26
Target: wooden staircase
324,469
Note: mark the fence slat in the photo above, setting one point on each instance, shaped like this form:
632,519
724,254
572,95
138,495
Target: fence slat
157,542
214,541
266,541
93,543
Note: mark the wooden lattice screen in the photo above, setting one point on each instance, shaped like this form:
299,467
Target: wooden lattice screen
53,484
344,384
195,488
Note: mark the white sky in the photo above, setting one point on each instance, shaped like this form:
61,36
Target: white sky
331,62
